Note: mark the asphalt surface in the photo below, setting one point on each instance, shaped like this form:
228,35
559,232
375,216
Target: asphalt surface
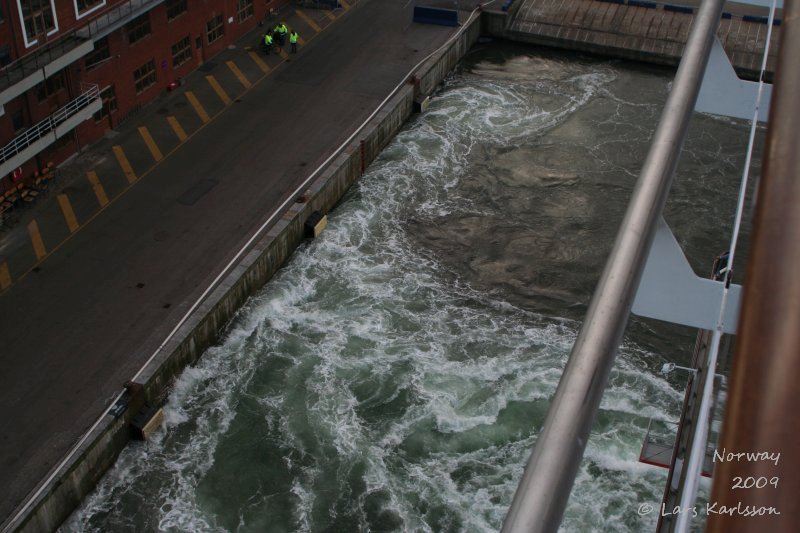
79,321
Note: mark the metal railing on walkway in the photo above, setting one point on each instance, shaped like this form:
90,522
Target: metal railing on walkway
43,56
90,93
101,25
116,17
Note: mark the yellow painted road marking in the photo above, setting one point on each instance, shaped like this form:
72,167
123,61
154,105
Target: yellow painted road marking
69,214
197,106
123,162
5,276
260,62
238,73
36,240
283,53
308,20
98,188
345,5
177,128
218,89
151,144
328,14
301,41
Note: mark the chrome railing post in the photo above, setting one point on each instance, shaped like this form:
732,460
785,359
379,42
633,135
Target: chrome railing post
546,484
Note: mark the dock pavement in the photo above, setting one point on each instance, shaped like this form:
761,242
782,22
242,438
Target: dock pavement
96,275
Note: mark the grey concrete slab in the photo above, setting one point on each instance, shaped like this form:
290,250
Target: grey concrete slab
97,308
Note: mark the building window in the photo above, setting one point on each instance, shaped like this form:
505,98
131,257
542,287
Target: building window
244,9
181,51
109,98
84,7
138,28
144,77
50,86
38,17
215,28
100,53
5,56
175,8
17,120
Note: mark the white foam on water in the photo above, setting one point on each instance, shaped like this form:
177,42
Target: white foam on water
304,506
395,367
478,499
199,410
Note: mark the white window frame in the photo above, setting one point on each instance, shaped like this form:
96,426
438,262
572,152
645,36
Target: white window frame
252,7
79,15
34,42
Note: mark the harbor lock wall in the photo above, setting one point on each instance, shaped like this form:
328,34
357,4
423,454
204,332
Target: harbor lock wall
66,487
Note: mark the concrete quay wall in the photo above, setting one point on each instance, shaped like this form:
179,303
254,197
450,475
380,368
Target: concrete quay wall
71,482
581,25
646,31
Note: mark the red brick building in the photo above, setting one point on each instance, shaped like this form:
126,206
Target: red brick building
72,69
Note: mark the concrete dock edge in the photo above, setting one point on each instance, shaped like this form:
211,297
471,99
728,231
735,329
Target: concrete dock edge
50,504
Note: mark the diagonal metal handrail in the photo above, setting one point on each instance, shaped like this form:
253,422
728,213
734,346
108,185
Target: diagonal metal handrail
100,25
38,59
545,487
36,132
116,17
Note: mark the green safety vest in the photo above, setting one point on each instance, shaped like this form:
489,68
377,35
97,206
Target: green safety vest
293,38
282,29
268,39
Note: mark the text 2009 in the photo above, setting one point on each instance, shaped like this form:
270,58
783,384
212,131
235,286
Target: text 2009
754,482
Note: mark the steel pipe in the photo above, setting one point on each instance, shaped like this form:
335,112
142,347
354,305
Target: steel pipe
546,484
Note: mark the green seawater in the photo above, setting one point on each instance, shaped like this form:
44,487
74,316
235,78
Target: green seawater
395,374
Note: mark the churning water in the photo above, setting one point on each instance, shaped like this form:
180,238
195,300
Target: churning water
395,374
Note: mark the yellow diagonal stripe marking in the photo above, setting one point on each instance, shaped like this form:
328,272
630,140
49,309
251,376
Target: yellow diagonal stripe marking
99,191
151,144
36,240
177,128
238,73
300,41
307,20
345,5
123,162
260,62
283,53
218,89
69,214
197,106
5,276
328,14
